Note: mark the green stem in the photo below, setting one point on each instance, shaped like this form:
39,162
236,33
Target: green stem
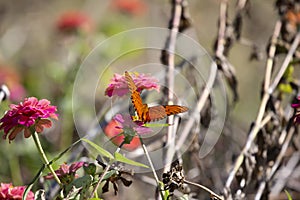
44,157
94,192
159,185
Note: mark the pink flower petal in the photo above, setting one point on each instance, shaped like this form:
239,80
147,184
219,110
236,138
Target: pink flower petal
66,170
26,114
39,127
27,133
14,133
75,166
8,192
118,85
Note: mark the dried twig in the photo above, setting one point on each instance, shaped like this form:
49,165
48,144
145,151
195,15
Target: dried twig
285,63
271,173
269,88
168,58
223,43
285,173
257,125
201,102
212,194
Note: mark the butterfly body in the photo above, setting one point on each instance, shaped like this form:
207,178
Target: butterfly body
146,113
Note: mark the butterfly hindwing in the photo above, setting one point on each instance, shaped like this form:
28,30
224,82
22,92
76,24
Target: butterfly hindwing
162,111
157,113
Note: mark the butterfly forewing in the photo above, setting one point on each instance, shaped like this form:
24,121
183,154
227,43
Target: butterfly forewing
131,85
135,96
175,109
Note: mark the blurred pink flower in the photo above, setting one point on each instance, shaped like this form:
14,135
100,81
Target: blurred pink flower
118,85
8,192
73,21
11,78
66,173
133,7
22,116
123,123
297,115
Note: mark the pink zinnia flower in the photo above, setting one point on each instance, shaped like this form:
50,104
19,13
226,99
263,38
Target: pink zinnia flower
8,192
73,21
26,114
123,123
118,85
66,173
297,115
133,7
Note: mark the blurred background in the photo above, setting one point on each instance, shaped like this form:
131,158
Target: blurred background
42,44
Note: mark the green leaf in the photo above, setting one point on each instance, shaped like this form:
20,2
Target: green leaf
286,88
65,151
156,125
36,177
166,194
129,135
119,157
288,195
27,190
109,174
90,169
83,183
98,148
288,74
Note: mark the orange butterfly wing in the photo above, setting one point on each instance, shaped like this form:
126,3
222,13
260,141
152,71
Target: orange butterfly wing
141,109
162,111
154,113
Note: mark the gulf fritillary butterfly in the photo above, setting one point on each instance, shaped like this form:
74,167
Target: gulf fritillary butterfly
148,114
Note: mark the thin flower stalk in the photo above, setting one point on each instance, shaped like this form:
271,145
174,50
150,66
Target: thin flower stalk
152,167
44,157
94,192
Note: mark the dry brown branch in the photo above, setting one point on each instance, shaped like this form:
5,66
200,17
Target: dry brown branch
257,126
168,58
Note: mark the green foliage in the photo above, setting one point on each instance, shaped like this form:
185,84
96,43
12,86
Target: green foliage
90,169
99,149
288,74
27,190
129,135
79,187
288,195
285,88
37,176
119,157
